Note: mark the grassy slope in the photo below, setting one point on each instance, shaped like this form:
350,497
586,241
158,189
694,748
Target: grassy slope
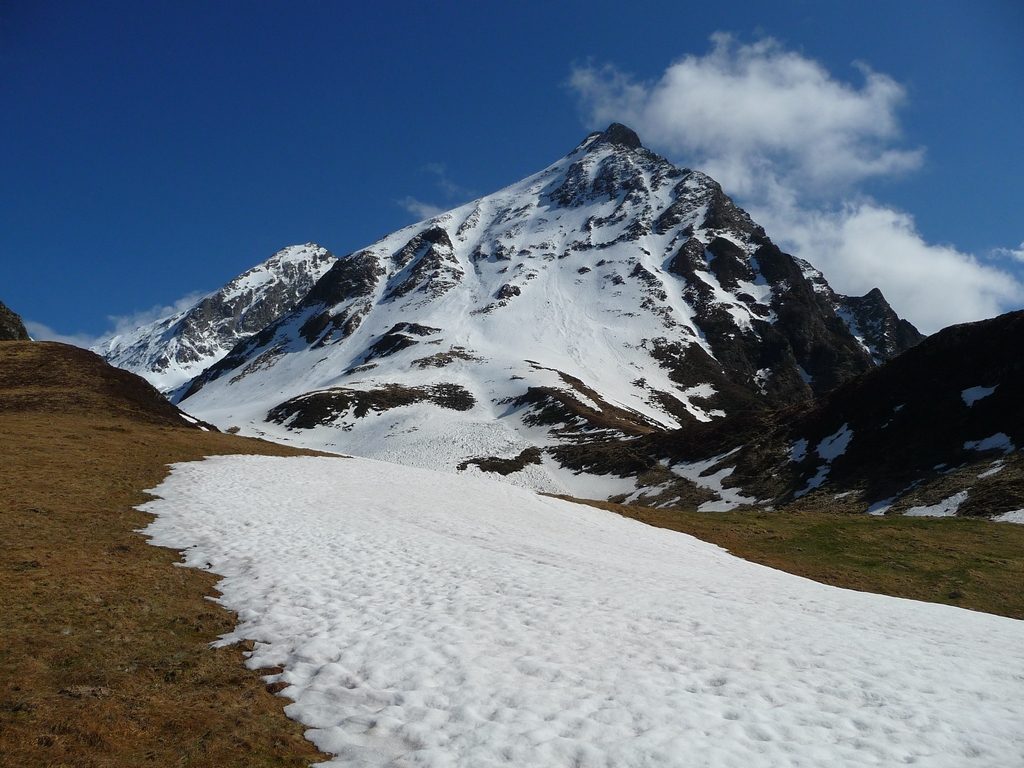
968,563
104,644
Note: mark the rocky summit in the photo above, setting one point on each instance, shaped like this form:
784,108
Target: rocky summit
609,296
11,326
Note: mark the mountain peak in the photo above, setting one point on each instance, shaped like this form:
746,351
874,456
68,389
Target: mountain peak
619,135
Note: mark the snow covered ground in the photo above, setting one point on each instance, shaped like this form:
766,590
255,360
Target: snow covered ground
426,619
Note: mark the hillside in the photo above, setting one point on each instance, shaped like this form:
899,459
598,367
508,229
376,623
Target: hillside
106,643
936,431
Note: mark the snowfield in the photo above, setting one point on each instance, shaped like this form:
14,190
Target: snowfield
425,619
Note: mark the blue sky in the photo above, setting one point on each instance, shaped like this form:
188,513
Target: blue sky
155,149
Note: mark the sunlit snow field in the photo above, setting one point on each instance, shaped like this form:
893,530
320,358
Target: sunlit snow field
426,619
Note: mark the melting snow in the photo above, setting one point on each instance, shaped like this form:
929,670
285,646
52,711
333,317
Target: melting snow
728,498
699,392
761,377
1015,516
881,507
834,446
971,395
829,449
998,441
798,451
432,620
994,469
945,508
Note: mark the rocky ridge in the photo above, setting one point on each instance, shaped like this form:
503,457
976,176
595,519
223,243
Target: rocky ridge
173,349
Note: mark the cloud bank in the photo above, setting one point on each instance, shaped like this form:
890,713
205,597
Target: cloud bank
866,245
792,143
118,324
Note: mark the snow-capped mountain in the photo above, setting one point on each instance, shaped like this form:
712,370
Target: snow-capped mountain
170,351
611,294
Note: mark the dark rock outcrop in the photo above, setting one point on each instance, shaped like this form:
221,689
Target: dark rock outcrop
11,326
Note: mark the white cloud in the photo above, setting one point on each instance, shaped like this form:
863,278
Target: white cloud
742,110
42,332
420,209
453,194
792,142
1017,254
125,323
865,245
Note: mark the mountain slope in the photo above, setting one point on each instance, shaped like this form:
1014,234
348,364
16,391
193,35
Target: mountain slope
173,349
936,431
869,318
611,294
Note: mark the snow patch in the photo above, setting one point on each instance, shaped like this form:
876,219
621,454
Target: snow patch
971,395
828,449
881,507
945,508
697,472
834,446
994,469
998,441
798,451
435,620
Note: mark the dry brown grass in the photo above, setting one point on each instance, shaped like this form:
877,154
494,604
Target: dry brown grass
104,643
969,563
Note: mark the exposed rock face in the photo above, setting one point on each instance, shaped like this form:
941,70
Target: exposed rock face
954,401
11,327
172,350
611,295
877,326
869,318
937,430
